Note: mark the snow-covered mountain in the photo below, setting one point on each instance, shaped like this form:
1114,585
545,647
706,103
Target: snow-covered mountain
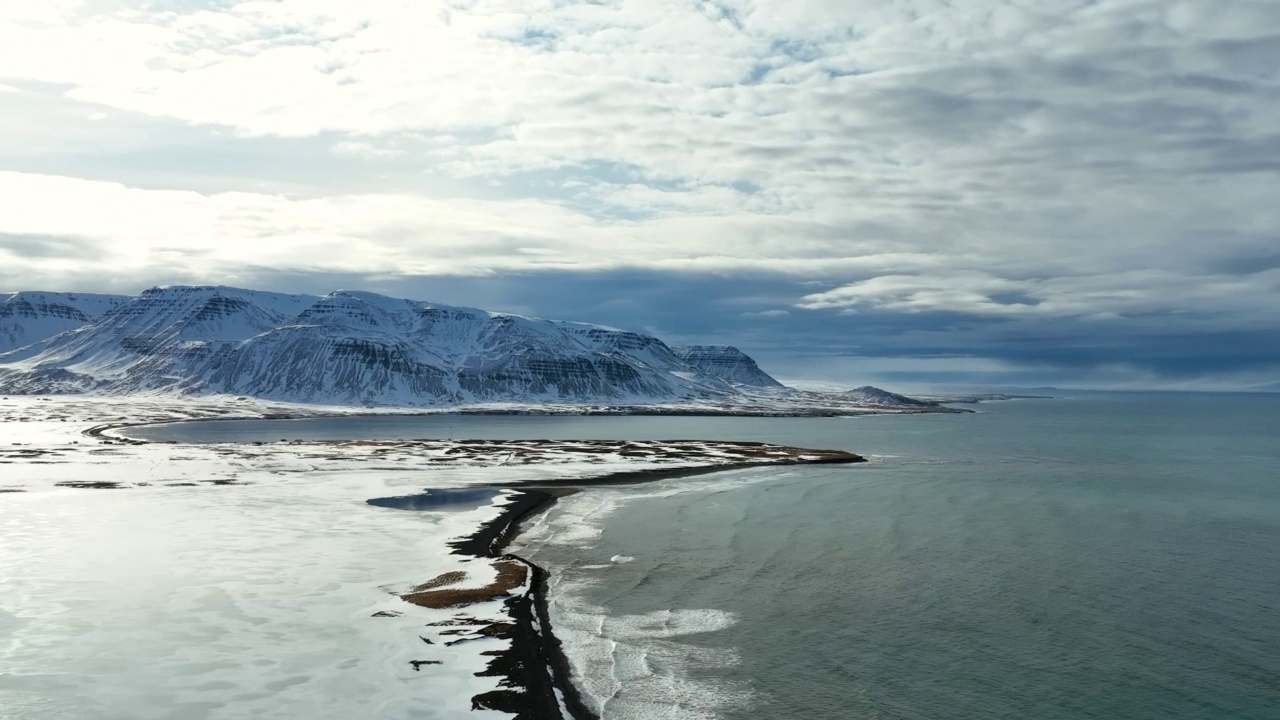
726,363
360,348
875,396
29,317
350,348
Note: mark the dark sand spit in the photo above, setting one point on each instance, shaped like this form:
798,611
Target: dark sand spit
534,667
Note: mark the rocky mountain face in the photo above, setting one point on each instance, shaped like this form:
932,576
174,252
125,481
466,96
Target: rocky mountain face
358,348
29,317
726,363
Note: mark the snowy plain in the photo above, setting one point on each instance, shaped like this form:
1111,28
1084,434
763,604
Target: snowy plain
212,585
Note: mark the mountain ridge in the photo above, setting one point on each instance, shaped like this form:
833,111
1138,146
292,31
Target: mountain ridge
357,348
727,363
30,316
347,347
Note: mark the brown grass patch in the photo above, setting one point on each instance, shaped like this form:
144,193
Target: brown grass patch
511,575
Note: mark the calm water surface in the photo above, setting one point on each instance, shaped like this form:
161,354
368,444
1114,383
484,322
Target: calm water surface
1097,556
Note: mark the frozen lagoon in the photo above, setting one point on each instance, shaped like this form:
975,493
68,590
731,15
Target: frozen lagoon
225,602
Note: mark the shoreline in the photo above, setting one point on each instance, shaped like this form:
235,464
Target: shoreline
101,431
536,670
537,680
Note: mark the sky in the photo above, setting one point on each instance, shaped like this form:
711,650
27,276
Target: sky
909,192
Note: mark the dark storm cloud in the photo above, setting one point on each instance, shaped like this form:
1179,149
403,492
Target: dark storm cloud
757,314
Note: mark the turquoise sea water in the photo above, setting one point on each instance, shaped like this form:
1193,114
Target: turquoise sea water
1094,556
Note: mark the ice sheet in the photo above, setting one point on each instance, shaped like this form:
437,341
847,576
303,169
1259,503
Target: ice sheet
225,602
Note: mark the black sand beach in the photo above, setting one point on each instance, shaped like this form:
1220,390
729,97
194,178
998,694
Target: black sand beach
535,667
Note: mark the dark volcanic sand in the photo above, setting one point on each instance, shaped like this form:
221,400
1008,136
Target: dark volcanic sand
535,664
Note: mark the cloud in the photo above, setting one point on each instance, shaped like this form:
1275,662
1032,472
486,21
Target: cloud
377,233
1133,294
44,247
965,172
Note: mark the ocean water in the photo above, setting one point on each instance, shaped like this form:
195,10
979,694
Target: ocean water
1102,555
1099,556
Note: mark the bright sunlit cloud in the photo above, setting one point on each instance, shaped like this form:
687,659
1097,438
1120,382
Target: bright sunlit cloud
1106,169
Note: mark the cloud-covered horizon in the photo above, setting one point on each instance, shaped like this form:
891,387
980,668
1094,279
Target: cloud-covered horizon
1030,192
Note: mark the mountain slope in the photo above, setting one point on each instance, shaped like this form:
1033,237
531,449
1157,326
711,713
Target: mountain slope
29,317
360,348
349,347
726,363
153,341
875,396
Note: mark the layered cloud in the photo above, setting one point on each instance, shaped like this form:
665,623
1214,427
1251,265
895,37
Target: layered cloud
967,172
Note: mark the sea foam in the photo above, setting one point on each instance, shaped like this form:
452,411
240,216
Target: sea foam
632,665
